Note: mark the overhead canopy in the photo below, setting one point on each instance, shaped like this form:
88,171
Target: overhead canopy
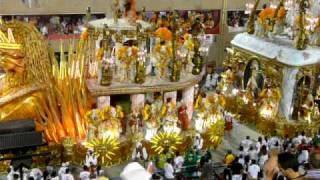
122,24
278,49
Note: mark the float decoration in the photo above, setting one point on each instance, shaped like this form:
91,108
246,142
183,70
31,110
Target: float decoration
106,149
250,24
166,141
215,133
56,97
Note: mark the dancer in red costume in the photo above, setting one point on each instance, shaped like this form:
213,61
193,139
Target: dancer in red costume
183,117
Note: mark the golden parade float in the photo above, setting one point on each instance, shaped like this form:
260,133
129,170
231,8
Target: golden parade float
69,100
271,78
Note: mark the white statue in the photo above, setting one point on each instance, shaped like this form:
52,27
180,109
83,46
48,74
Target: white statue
139,152
91,159
198,142
170,120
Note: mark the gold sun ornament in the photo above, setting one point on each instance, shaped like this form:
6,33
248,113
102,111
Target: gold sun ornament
104,148
215,133
166,141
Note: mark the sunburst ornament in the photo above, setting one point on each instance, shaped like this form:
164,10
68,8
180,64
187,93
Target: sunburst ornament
215,133
105,149
166,141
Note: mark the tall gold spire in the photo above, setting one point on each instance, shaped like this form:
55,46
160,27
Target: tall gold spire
8,42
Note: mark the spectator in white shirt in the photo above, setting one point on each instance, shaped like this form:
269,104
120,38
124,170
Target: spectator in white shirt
207,84
85,174
44,30
211,80
253,170
91,159
303,157
259,144
246,143
36,173
241,152
265,141
198,142
253,153
296,140
62,169
302,136
241,160
263,156
168,170
10,173
67,175
15,176
178,160
274,142
54,176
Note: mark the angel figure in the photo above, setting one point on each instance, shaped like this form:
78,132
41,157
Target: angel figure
255,81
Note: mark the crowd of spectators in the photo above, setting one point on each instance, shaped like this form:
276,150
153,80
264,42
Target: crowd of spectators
90,170
268,158
275,158
237,19
53,25
56,24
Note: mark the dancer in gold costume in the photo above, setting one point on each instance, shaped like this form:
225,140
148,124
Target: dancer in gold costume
28,87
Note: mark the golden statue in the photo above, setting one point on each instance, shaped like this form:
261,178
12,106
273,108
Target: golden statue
307,108
121,117
163,53
269,102
22,94
250,25
301,39
110,124
227,83
30,86
199,105
147,112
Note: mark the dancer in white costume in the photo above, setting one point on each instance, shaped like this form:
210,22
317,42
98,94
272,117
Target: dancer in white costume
170,119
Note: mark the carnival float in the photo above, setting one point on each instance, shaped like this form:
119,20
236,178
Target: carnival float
69,100
272,70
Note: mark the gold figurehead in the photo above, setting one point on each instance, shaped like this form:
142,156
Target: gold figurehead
22,94
27,88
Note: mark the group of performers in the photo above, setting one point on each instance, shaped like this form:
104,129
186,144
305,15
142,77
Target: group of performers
171,38
125,56
209,109
149,120
160,116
